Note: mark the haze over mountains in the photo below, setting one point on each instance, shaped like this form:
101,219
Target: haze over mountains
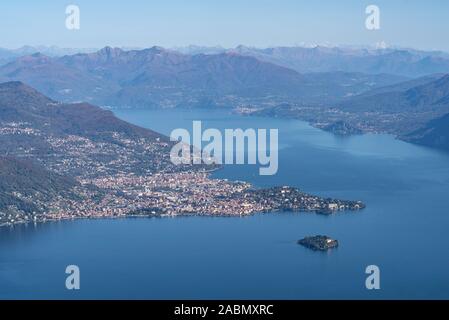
8,55
404,62
398,61
400,109
304,59
194,76
434,134
425,94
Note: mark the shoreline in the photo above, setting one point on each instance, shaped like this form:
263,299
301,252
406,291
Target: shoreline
166,216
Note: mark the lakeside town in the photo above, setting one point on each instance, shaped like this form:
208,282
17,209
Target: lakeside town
120,176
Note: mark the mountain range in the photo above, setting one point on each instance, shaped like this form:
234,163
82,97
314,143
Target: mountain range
304,59
352,90
396,61
157,77
434,134
8,55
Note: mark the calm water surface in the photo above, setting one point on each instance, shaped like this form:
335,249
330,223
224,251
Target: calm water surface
404,229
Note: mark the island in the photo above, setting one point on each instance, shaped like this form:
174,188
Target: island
318,243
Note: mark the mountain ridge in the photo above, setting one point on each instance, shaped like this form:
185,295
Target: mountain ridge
160,77
422,95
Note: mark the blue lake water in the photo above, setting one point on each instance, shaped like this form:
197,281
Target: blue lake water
403,230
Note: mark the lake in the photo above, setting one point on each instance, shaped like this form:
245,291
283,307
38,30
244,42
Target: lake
403,230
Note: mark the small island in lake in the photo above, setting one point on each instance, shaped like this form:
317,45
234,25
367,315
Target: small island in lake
318,243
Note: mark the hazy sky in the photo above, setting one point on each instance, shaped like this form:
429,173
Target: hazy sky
143,23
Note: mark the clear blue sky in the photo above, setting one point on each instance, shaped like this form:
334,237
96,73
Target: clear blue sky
142,23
